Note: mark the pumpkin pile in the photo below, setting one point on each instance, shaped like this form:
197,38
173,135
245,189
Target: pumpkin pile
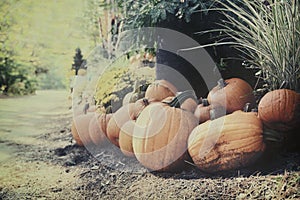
165,127
90,128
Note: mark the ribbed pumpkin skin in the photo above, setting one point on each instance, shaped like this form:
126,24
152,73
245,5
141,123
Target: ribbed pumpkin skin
280,109
233,96
97,128
125,138
103,121
159,90
119,118
160,136
80,129
226,143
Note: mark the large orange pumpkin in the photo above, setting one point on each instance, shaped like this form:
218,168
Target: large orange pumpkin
160,90
280,109
160,136
229,142
121,116
80,129
232,94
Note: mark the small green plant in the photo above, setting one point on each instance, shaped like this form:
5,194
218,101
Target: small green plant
268,34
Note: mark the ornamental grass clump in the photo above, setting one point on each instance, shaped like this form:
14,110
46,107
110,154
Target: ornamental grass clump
268,34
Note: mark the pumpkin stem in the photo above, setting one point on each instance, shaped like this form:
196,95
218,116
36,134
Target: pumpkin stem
145,101
205,102
142,88
247,107
254,110
85,108
108,110
221,83
180,98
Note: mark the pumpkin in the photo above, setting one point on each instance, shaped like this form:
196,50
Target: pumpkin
126,98
103,120
80,129
160,90
232,94
97,128
125,138
160,136
206,111
121,116
280,109
229,142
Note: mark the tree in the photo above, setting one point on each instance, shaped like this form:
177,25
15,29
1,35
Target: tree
15,78
78,62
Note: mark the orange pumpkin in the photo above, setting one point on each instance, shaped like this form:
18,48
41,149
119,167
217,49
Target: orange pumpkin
229,142
160,136
103,120
97,128
280,109
202,111
206,111
125,138
160,90
231,94
121,116
80,129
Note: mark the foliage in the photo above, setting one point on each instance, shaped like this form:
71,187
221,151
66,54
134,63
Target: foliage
269,34
16,78
78,62
151,12
120,78
43,35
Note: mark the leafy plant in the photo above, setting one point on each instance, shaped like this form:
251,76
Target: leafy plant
151,12
269,35
15,78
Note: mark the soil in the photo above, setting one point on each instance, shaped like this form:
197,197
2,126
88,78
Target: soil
49,165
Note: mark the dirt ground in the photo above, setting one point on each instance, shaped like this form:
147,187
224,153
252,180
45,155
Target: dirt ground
54,167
